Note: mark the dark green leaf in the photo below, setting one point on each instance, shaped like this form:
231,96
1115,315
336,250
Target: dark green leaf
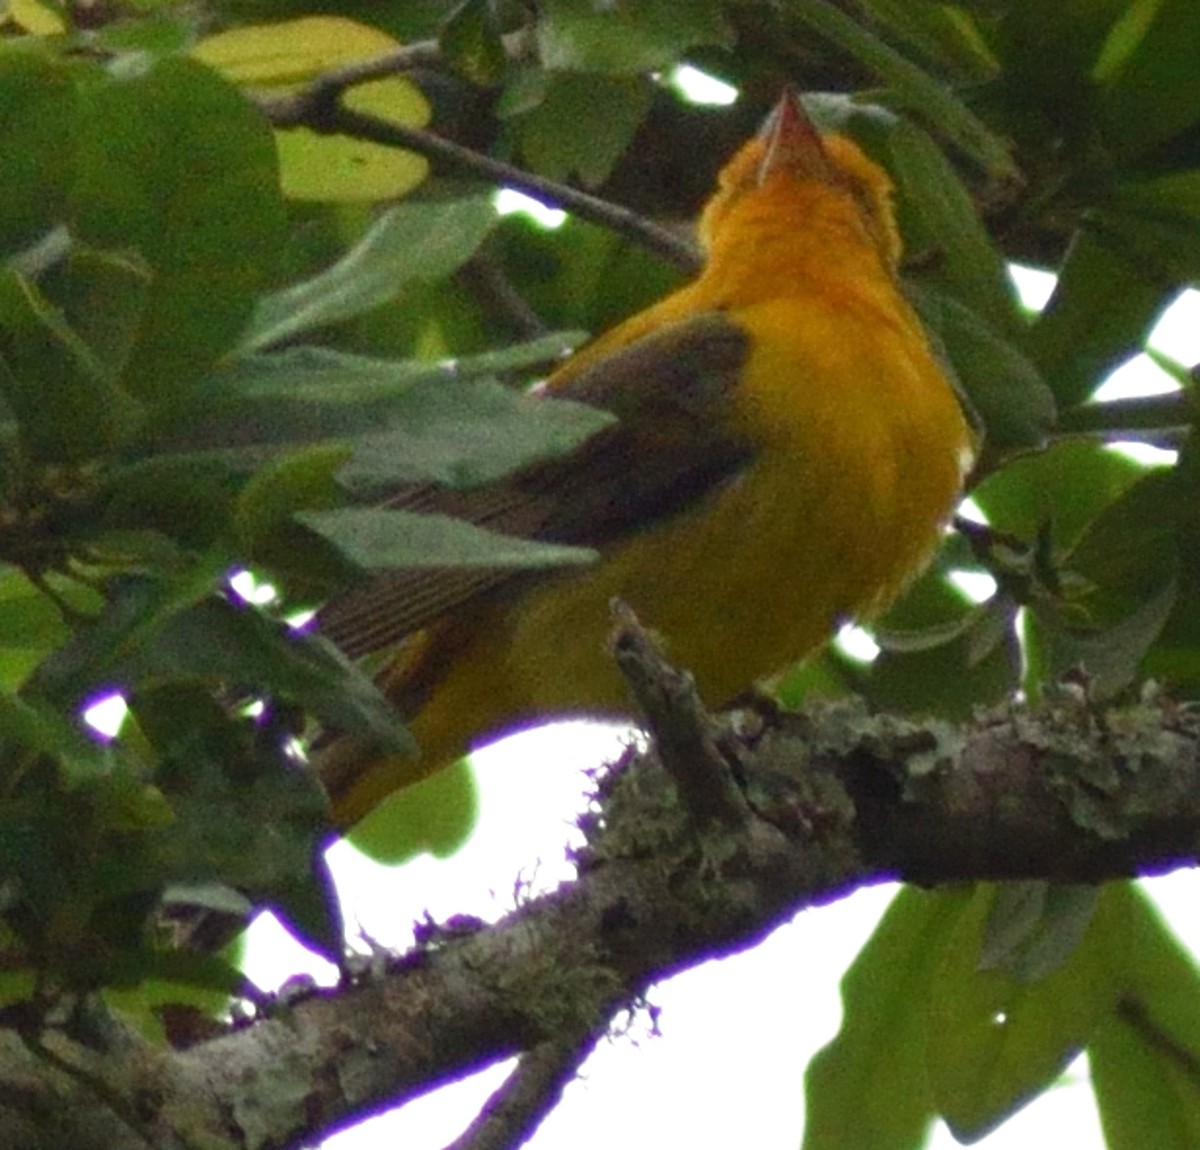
104,296
470,41
941,226
177,165
582,124
979,666
35,727
305,394
1109,657
1067,486
577,35
39,116
186,498
1150,84
1048,54
1099,315
299,480
315,375
1130,552
944,34
463,435
412,243
375,538
67,408
1149,229
1004,387
183,968
912,86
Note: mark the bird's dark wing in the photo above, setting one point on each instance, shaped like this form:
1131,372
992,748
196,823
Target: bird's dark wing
670,391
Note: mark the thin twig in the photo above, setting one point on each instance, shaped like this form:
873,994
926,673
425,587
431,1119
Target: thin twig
1133,1011
511,1116
418,54
109,1097
317,107
683,731
486,280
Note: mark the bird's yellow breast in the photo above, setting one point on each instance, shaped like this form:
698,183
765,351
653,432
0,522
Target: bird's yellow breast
862,452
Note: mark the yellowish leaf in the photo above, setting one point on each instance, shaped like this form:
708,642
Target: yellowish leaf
278,58
35,18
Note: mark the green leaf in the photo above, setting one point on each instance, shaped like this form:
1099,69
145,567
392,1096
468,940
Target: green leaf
1145,1097
1099,315
375,538
29,618
104,296
39,116
137,609
995,1042
464,435
943,33
310,394
434,815
248,817
1151,86
301,479
318,375
1153,225
1067,485
186,498
42,729
1005,388
582,124
577,35
178,166
183,968
66,407
1047,53
412,243
470,41
309,906
979,665
280,56
938,218
1143,1057
159,34
1130,552
913,86
1035,926
1110,657
867,1089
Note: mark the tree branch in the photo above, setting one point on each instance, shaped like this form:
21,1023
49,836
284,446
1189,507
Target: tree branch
513,1113
319,108
836,798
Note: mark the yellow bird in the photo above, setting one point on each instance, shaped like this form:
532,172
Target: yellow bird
786,454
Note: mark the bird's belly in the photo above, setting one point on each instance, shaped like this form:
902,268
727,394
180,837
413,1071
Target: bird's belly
841,507
750,582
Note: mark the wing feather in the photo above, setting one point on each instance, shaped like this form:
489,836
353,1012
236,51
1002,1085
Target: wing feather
671,446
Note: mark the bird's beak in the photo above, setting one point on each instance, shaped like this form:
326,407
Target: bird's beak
791,142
